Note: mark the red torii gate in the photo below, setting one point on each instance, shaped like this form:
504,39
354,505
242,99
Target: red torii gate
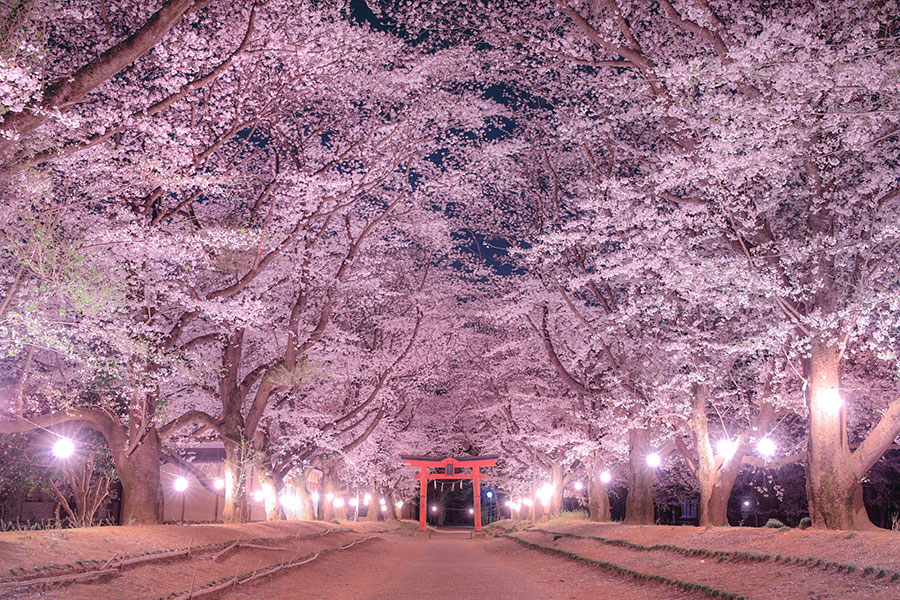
449,467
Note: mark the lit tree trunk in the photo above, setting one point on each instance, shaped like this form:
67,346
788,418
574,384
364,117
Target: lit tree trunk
305,507
327,507
558,483
236,507
271,491
705,469
598,495
534,500
832,477
639,502
391,513
716,474
374,507
139,474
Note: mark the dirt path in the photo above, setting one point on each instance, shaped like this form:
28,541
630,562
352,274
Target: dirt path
389,562
449,568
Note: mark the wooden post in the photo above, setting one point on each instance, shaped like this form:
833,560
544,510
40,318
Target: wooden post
476,492
423,497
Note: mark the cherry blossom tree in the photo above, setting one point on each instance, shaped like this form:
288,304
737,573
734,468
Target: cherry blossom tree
770,128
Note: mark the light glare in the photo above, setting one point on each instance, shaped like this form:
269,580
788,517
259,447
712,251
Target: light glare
653,460
219,484
726,448
766,447
338,503
605,476
181,484
64,448
578,485
830,400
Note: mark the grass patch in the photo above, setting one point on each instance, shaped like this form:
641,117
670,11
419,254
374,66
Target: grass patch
568,516
719,555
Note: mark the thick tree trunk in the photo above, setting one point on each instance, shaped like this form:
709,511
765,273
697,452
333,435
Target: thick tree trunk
305,506
715,480
236,509
271,493
327,507
598,496
706,471
374,507
139,474
391,513
716,474
557,482
716,505
639,508
833,485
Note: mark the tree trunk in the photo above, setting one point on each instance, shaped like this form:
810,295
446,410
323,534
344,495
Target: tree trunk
271,492
716,505
374,506
833,486
557,482
715,480
639,501
706,471
139,474
305,506
391,513
236,509
598,496
327,507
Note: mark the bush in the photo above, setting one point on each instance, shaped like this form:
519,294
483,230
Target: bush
775,524
805,523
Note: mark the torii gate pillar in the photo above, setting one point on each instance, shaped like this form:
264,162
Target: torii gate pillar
423,499
450,467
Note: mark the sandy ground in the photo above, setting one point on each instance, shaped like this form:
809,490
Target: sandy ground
392,562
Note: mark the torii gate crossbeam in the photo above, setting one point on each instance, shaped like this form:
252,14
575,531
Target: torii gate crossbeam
449,467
